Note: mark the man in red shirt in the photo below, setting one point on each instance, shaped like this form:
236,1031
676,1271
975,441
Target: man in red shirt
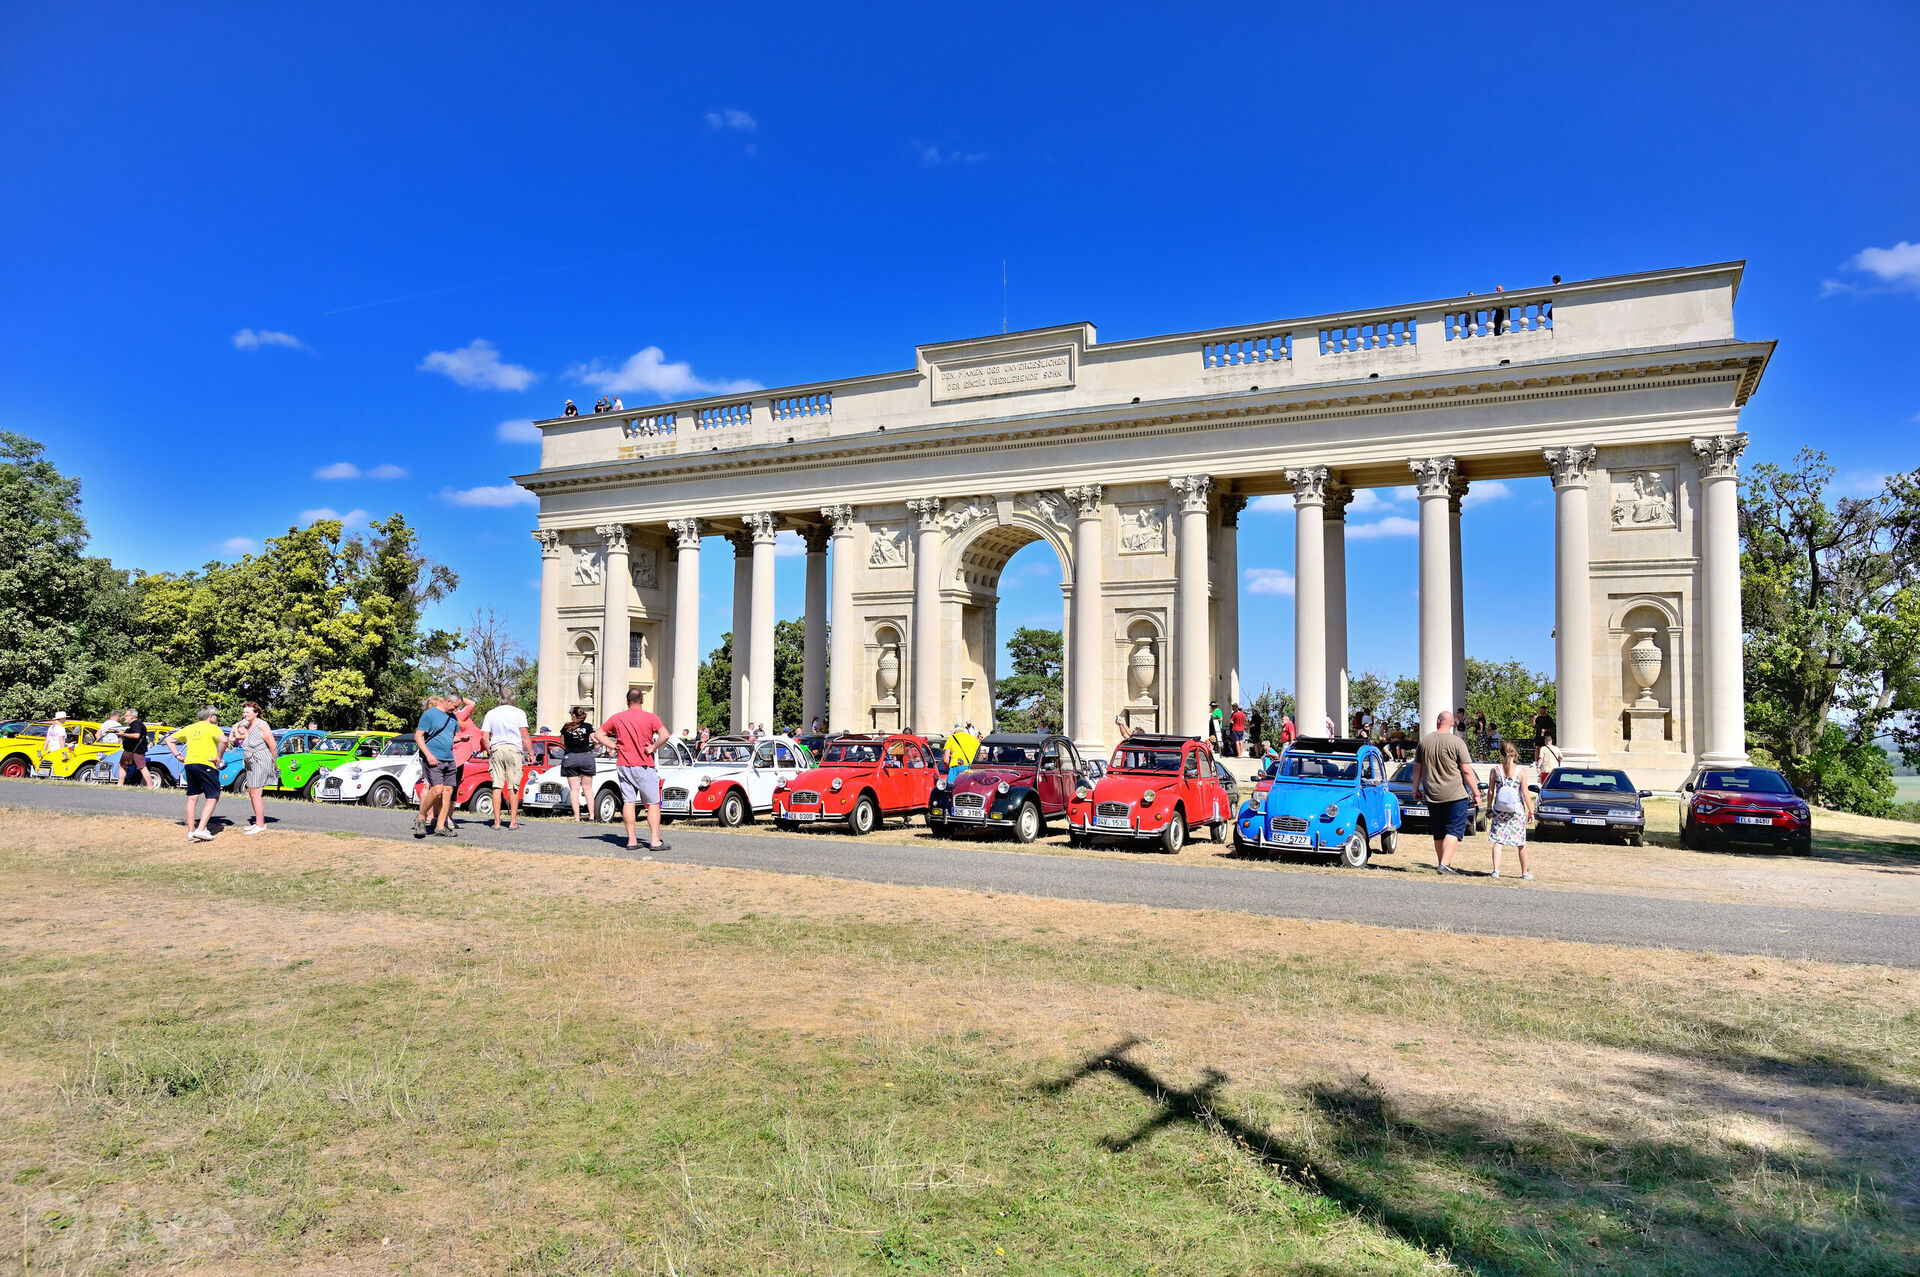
632,735
1237,729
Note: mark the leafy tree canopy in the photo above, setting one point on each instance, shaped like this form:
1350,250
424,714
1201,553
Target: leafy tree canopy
1031,699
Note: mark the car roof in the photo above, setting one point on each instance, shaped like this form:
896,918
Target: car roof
1155,738
1019,738
1328,745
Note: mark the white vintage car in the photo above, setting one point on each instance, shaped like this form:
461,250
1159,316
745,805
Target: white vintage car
546,790
385,780
732,779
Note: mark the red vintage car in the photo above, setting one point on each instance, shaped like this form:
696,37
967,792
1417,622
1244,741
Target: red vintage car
475,790
861,780
1017,782
1157,787
1745,804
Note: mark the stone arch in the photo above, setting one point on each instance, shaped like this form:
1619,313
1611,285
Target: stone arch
982,548
972,560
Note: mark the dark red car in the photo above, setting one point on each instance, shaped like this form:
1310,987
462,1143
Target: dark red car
1744,804
475,791
1017,782
860,780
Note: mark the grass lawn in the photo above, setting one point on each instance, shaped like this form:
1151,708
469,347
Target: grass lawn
330,1053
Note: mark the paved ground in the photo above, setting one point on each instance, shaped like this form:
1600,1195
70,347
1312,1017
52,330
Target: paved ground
1374,899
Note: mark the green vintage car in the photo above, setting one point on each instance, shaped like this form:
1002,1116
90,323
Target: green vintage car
305,756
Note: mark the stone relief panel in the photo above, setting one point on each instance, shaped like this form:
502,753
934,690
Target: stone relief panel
959,514
1643,499
1143,529
887,546
1050,506
589,564
645,565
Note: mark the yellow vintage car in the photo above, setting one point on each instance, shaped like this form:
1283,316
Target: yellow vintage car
26,753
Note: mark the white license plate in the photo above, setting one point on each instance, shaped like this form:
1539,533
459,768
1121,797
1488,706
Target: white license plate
1590,820
803,815
1111,822
1755,820
1291,840
1414,811
967,813
678,806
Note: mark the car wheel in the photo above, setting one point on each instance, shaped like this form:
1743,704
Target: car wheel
481,803
606,805
1174,836
1076,841
14,768
1637,840
1686,834
311,790
383,794
1354,853
98,774
1802,846
1217,831
733,810
1026,825
1389,841
1241,847
865,817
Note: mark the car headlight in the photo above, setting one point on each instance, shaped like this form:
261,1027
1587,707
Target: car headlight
324,771
1002,787
353,772
940,783
1083,793
837,782
1333,809
779,786
1701,808
1146,799
705,781
1553,811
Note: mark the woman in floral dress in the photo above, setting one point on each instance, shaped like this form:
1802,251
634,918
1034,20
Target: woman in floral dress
1511,808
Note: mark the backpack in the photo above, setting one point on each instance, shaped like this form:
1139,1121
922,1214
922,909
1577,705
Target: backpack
1507,793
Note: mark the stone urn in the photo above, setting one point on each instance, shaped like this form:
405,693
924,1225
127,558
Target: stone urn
889,674
585,681
1142,673
1644,659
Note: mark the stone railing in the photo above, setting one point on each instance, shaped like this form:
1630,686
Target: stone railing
793,407
1498,320
1247,351
1379,335
650,426
723,416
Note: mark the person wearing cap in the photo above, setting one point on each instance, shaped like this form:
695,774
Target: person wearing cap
1216,727
57,735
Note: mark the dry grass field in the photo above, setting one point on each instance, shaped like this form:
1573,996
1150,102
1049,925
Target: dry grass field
326,1054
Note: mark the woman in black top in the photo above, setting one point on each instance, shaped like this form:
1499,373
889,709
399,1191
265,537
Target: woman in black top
133,749
577,763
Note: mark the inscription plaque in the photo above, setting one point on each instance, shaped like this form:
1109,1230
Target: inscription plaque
1042,370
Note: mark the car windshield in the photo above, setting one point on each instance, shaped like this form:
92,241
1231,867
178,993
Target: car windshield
1404,776
37,729
1591,781
1746,781
1007,755
726,751
851,751
334,745
1319,767
1135,758
400,747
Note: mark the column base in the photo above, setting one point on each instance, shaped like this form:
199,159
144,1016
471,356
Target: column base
1587,759
1725,760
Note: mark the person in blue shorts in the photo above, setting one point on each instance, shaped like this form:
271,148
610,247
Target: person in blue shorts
1443,776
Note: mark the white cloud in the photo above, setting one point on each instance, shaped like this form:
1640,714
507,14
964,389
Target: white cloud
1394,525
1368,500
499,496
254,339
517,431
649,373
347,470
477,366
787,544
1269,581
239,545
351,519
1484,491
731,118
1277,503
1895,269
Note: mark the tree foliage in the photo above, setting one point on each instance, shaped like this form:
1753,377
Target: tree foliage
715,710
1831,608
1032,698
1509,694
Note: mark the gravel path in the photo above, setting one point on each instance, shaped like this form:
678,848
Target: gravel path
1374,899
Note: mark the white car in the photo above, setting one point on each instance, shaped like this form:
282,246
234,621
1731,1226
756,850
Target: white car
546,790
385,780
732,779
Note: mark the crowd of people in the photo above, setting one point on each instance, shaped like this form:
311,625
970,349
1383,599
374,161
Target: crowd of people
1239,731
600,405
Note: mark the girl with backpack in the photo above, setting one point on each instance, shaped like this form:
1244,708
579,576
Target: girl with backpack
1512,806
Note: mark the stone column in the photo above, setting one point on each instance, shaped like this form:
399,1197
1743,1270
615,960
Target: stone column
813,677
1456,496
1433,477
1084,719
615,628
684,709
1309,599
843,633
1227,554
926,667
1719,457
550,706
764,527
1572,603
742,627
1339,497
1190,605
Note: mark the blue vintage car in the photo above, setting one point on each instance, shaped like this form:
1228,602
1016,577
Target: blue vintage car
1324,797
166,770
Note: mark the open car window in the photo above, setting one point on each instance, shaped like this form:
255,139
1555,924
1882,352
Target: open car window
334,745
726,751
1004,755
401,747
1163,762
851,751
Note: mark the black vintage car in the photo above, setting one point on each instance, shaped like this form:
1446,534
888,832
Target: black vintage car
1590,802
1018,781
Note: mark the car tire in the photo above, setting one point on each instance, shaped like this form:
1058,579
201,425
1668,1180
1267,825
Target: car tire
1174,836
606,805
1354,853
1076,841
1637,840
865,816
1217,831
311,790
1801,846
733,809
384,794
480,802
15,768
1241,847
1027,825
1389,841
1686,834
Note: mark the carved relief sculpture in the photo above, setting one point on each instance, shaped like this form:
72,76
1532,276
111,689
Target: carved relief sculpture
960,513
888,547
1050,506
1143,530
1642,499
645,566
588,563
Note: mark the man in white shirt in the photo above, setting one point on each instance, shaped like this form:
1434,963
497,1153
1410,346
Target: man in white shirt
503,734
57,736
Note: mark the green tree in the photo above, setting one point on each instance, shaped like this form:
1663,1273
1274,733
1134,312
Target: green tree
1031,698
715,710
1509,694
393,582
1273,706
1402,708
716,687
1831,606
1367,692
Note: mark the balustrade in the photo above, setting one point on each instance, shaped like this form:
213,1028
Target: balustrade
1498,320
1380,335
650,426
1247,350
793,407
720,416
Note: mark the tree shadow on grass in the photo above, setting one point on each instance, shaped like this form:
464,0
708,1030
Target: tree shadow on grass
1525,1197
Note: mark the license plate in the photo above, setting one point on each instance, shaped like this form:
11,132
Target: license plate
1414,811
1291,840
1111,822
676,806
967,813
1590,820
803,815
1756,820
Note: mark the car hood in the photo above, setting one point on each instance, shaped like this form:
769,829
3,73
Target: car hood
1587,798
983,778
1743,798
1288,799
1126,788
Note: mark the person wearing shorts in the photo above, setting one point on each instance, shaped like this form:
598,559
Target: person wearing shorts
134,738
578,763
203,742
503,734
632,734
434,734
1443,775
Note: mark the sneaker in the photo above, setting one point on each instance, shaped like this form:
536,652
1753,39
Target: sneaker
1496,873
419,827
255,829
446,831
1447,869
201,835
1526,877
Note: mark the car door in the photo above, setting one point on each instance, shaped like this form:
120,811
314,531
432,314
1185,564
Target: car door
916,778
787,764
1373,793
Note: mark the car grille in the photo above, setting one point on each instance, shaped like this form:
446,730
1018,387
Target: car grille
1110,809
673,794
975,801
804,796
332,782
1289,825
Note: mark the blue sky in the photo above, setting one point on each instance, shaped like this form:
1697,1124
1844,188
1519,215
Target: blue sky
256,262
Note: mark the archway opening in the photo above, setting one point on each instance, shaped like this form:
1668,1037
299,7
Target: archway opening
1013,632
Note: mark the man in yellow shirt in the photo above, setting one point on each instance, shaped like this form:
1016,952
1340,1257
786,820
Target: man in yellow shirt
204,742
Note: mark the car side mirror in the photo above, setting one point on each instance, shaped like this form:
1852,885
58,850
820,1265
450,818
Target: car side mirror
1533,789
1799,792
1646,793
1687,788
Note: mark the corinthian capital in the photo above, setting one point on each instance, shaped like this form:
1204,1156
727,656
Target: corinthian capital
549,540
1086,500
926,511
1719,455
840,516
1193,490
1569,466
762,525
1433,476
1309,485
1457,494
1339,497
1231,504
686,533
816,536
616,536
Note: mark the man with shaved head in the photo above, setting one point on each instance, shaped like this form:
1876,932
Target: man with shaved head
1443,777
